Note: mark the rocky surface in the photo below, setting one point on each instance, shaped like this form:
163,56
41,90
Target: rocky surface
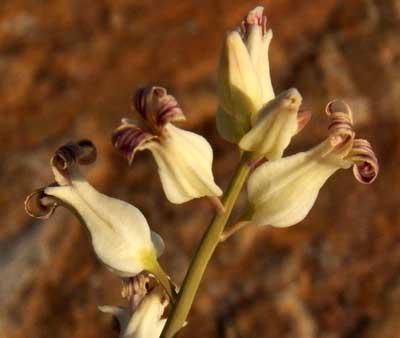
68,69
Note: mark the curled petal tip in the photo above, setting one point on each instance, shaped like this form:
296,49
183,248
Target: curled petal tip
292,97
338,106
366,166
157,107
128,138
87,153
255,16
39,205
341,123
139,101
82,152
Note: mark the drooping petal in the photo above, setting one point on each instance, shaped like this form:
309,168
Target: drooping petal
238,85
184,162
274,126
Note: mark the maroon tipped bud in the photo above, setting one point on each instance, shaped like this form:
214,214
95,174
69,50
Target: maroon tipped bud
254,18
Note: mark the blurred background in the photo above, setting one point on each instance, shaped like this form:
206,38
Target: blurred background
67,71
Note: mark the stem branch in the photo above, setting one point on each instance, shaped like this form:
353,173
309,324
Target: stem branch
232,230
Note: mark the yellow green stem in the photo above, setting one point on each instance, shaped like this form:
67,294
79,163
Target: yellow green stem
204,252
163,279
232,230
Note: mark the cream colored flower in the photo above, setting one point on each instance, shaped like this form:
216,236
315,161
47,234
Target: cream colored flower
244,83
120,234
282,192
249,114
146,320
275,125
184,158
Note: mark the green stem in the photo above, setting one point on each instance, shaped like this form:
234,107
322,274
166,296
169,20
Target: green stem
232,230
164,280
240,224
204,252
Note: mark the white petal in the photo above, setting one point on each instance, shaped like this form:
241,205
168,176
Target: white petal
258,44
231,128
158,243
274,126
261,66
119,312
238,85
146,321
120,233
282,192
184,162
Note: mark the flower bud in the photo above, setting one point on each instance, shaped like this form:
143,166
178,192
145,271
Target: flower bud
184,158
244,82
274,126
258,38
282,192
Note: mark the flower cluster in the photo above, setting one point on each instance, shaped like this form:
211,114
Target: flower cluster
281,190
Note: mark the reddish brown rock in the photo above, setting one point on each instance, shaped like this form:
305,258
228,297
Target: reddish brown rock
68,70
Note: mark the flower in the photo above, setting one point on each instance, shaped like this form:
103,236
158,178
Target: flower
249,114
120,234
244,81
276,123
184,158
145,319
282,192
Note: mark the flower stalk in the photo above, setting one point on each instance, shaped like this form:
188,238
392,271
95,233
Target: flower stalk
163,279
233,230
205,250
